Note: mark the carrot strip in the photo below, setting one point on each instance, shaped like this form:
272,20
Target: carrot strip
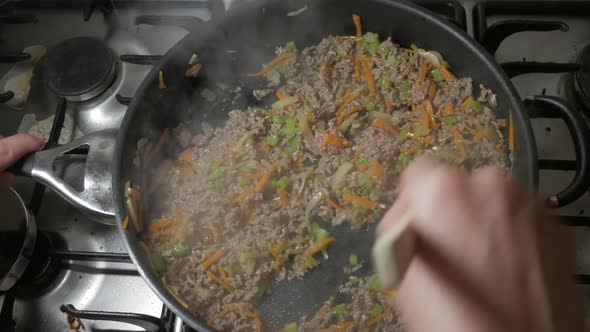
284,197
446,74
388,104
471,130
357,155
278,263
425,140
336,141
357,71
360,201
432,91
511,134
425,69
376,169
346,94
275,62
345,325
499,146
387,291
133,194
430,111
466,103
187,156
125,223
363,167
245,193
347,102
378,318
462,150
450,109
218,162
348,113
164,222
415,120
323,309
257,321
413,149
222,273
385,126
358,25
213,258
425,121
334,204
364,58
320,246
193,70
369,77
161,83
177,298
219,281
280,95
479,136
158,145
456,133
251,175
261,183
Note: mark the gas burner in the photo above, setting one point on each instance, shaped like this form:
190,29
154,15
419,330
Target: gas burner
581,79
42,268
80,68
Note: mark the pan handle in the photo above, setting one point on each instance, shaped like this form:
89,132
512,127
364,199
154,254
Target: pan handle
148,323
96,198
553,107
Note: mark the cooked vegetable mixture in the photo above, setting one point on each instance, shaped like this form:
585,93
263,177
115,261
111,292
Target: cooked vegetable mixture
350,114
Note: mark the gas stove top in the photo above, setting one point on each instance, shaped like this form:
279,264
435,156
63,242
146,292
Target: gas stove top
543,45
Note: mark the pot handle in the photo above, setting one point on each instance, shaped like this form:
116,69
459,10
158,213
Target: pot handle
96,199
554,107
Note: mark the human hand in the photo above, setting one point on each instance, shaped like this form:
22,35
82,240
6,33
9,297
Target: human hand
13,148
489,257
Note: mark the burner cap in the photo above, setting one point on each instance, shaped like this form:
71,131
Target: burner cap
582,77
80,68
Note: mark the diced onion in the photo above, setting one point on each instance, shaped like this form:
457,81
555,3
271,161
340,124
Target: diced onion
381,115
133,215
194,59
298,11
307,134
341,173
430,57
312,204
343,127
287,101
245,137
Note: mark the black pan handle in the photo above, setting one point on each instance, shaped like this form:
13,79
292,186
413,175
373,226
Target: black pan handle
553,107
148,323
24,166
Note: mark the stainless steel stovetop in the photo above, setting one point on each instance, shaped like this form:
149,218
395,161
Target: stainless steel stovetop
116,286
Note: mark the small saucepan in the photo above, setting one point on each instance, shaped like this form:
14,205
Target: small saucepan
18,233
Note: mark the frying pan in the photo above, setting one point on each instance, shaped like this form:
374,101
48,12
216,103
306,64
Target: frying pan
238,43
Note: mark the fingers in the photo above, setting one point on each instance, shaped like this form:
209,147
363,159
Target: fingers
13,148
436,192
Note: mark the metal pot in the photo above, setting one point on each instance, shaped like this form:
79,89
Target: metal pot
18,233
253,29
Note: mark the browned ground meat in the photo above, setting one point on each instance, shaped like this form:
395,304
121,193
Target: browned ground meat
351,115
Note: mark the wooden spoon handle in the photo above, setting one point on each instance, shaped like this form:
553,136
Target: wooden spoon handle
393,251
